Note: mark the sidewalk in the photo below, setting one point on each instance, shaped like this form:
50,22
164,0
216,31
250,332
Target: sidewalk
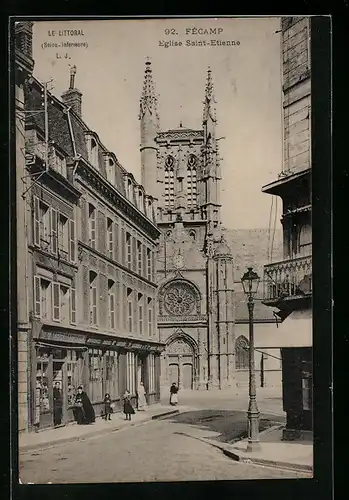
72,432
274,452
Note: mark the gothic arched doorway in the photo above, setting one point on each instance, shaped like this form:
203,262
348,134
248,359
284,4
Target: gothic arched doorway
181,363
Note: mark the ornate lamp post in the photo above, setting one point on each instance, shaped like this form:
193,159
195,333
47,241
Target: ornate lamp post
250,282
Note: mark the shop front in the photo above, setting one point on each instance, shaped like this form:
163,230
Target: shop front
61,361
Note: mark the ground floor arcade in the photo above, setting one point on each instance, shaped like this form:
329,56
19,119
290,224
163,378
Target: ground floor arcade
100,364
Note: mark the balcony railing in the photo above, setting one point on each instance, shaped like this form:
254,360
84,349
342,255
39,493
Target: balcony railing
55,161
287,279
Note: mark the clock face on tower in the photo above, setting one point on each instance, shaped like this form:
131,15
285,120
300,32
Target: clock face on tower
178,261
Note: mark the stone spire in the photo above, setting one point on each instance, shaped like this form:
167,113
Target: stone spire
149,100
209,102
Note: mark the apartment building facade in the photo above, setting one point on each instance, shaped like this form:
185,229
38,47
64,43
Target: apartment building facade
91,244
289,282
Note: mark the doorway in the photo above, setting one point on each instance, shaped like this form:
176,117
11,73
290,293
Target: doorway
187,376
173,373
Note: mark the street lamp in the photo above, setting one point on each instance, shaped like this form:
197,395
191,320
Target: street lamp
250,282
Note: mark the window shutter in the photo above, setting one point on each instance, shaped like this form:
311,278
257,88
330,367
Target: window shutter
72,241
54,230
56,302
134,252
72,306
37,297
36,227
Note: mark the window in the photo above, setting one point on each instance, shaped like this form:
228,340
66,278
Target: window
56,298
149,262
110,168
130,310
117,305
93,298
42,225
57,162
139,252
191,184
305,242
54,301
94,153
241,353
169,182
92,225
110,238
111,303
63,236
111,381
95,357
150,318
45,290
151,368
72,241
140,201
72,306
129,250
131,372
140,314
64,304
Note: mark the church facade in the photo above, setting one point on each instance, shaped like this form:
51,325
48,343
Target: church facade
181,170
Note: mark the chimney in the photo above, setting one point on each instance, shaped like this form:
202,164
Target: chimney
73,97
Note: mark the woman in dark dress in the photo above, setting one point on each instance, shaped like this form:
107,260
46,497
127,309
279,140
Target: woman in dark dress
83,409
128,409
108,409
173,394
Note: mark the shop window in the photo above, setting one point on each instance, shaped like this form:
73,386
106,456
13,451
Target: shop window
131,372
111,383
111,303
151,372
93,298
75,373
95,375
241,353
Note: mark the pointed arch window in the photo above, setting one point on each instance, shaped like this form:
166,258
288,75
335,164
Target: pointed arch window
241,353
192,182
169,182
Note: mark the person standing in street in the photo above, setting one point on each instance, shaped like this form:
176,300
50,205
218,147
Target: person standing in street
173,394
57,405
142,401
83,409
108,409
128,409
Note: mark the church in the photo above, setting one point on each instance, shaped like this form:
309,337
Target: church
181,170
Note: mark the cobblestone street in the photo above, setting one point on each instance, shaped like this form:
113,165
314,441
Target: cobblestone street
151,452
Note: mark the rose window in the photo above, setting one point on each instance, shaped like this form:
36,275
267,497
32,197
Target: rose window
179,299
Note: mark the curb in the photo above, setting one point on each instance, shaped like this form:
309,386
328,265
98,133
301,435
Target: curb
250,460
99,432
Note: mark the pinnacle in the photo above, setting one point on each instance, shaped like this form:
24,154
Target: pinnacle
148,99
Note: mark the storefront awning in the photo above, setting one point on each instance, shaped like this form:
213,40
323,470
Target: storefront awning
295,331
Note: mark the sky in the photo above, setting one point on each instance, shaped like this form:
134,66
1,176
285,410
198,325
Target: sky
247,83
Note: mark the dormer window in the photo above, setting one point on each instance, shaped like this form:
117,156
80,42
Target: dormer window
129,190
110,170
140,200
94,153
